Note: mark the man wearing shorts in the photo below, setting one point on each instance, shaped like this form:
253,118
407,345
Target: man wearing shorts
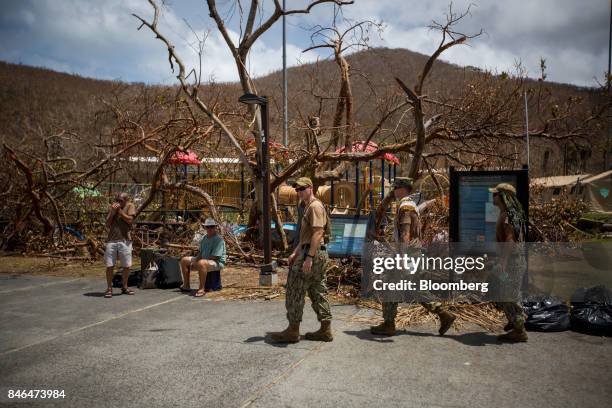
119,243
210,258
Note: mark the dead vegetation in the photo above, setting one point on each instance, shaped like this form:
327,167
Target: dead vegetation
484,315
434,117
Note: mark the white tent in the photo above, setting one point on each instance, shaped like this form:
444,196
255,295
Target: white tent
553,186
596,191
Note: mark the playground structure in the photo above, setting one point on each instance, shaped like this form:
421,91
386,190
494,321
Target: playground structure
361,189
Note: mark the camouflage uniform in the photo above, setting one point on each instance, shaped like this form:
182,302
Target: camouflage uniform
389,309
313,283
512,279
513,312
407,211
512,220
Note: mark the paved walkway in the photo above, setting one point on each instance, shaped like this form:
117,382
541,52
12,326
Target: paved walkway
161,348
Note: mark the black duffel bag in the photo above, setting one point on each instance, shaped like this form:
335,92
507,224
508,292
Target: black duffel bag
592,311
169,273
546,314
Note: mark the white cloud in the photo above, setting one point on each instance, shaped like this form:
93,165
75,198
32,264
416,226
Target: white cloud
571,35
99,39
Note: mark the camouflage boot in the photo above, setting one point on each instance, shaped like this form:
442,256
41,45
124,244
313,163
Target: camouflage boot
323,334
446,321
517,335
385,329
290,335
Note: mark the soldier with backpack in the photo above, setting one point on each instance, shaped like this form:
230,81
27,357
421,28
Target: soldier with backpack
307,265
510,229
407,231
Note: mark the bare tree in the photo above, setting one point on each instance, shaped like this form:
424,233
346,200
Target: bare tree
477,125
250,33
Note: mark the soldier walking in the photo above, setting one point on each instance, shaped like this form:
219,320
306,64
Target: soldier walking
511,228
307,266
407,230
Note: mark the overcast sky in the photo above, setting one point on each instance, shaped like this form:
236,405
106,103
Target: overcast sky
99,38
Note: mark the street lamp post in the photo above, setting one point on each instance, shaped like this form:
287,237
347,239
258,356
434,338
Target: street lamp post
267,274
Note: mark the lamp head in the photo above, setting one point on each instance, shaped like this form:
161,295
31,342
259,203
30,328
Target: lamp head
252,99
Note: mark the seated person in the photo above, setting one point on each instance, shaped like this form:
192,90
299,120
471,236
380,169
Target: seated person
210,258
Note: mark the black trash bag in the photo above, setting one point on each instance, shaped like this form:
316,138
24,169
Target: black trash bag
596,294
169,273
592,311
546,314
133,278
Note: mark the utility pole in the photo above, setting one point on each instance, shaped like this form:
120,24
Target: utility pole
608,80
285,110
527,127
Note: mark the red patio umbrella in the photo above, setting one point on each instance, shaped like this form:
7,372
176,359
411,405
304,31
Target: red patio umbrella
358,147
184,158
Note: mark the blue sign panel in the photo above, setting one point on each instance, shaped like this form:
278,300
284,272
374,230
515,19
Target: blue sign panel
477,214
473,215
348,235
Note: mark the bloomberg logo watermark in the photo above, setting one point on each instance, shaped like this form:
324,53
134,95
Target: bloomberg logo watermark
499,272
414,265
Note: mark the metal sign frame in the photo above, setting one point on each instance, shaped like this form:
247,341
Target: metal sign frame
522,193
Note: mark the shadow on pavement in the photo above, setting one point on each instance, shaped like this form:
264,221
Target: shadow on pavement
266,339
366,335
187,292
95,294
469,339
116,293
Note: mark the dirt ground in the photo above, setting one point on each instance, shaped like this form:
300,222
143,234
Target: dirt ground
239,282
235,278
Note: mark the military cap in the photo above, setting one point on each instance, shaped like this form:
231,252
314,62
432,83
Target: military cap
503,187
302,182
400,182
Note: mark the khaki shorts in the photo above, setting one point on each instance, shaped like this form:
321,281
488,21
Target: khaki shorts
121,250
211,265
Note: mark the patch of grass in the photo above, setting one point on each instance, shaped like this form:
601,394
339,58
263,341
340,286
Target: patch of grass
598,217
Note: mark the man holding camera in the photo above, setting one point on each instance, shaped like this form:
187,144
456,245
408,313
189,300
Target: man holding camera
119,242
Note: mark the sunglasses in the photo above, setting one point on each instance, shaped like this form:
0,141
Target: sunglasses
495,194
300,188
209,226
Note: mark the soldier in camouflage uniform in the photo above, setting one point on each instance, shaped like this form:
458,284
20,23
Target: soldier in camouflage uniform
407,230
307,266
511,227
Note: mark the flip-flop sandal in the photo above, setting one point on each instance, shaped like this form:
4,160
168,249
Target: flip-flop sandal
182,289
199,293
127,291
108,294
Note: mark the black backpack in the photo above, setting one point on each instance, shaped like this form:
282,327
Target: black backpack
169,274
